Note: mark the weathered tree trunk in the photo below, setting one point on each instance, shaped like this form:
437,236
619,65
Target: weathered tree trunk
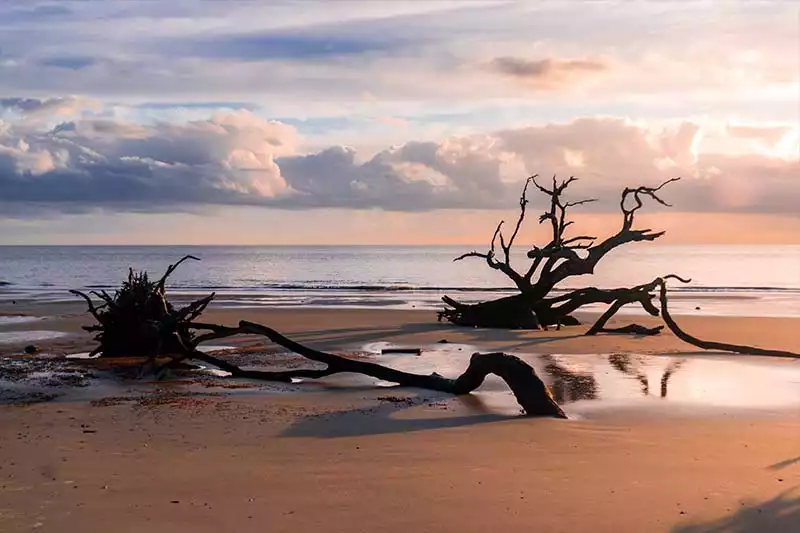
517,311
510,312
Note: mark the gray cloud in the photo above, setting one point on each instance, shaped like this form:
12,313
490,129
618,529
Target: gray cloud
548,72
242,159
35,105
69,62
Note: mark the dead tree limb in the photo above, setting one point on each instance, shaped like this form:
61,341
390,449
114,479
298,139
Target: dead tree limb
530,391
669,321
710,345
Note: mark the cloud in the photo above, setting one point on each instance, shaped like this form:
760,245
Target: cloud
284,45
89,163
214,105
37,13
417,53
242,159
549,73
39,105
768,134
69,62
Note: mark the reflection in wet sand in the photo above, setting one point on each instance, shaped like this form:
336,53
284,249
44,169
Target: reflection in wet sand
625,363
582,383
632,366
586,383
569,385
671,369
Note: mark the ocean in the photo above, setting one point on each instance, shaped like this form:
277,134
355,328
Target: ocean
726,280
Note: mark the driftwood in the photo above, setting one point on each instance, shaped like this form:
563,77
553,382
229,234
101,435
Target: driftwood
139,320
562,257
530,391
511,312
414,351
141,306
710,345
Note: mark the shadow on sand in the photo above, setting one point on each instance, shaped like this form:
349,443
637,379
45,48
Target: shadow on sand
781,514
784,464
381,420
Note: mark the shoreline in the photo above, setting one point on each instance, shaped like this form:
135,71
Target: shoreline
347,455
346,329
416,325
761,302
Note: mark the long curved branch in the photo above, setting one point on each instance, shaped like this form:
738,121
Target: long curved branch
160,284
642,294
530,391
711,345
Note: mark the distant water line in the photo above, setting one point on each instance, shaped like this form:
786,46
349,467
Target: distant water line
726,280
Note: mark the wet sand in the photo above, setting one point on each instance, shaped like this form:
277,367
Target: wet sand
353,457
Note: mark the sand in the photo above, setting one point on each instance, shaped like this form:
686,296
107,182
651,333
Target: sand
365,459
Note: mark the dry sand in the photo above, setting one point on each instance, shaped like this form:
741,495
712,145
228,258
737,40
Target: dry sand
365,460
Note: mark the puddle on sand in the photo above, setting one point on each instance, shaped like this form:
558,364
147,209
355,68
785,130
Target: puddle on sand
591,383
82,355
587,385
214,348
6,320
376,348
18,337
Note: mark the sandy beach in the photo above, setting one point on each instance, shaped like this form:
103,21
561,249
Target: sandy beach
365,458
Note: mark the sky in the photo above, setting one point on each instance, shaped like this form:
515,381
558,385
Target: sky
191,122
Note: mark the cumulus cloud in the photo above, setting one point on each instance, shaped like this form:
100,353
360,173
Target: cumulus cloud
242,159
226,159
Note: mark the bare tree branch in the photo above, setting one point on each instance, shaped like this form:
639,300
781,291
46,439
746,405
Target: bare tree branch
531,392
170,270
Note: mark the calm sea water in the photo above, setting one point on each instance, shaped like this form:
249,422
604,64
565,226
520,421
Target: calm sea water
726,280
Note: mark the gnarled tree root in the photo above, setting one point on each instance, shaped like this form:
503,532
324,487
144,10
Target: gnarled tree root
530,391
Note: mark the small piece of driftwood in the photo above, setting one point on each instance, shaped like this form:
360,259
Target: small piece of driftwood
415,351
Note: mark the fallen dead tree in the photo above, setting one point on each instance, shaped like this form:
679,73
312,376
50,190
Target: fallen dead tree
561,258
139,320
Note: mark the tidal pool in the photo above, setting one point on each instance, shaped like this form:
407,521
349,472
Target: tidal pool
588,384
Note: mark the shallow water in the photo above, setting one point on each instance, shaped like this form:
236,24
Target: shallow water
592,383
6,320
33,335
401,277
586,386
